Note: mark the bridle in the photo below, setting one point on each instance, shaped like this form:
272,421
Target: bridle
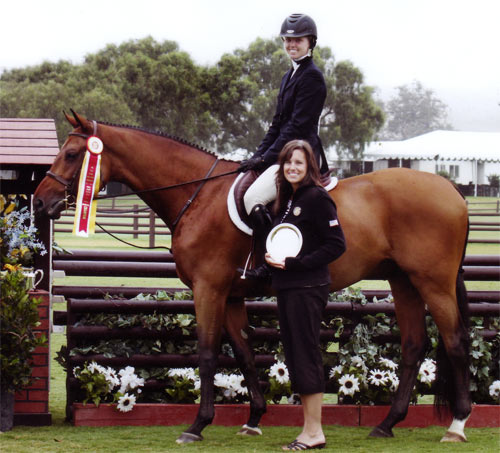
70,189
69,185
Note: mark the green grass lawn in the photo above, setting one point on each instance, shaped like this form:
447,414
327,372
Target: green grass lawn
65,439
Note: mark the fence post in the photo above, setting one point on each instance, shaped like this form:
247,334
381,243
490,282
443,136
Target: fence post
135,221
152,226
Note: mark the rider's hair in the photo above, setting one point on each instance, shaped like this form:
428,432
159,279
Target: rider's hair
312,176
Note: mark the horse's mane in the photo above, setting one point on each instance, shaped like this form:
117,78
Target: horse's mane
165,135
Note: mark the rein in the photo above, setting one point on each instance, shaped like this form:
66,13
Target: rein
69,184
173,186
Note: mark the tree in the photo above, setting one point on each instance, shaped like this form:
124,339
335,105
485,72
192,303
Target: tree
414,111
352,117
157,86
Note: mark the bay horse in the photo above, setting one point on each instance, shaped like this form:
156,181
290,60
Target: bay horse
402,225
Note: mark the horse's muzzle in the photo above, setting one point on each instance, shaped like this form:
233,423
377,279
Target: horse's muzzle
53,211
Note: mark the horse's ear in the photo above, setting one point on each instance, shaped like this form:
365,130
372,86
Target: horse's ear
70,119
78,120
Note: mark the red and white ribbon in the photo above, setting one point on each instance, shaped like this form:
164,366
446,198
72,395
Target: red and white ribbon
88,187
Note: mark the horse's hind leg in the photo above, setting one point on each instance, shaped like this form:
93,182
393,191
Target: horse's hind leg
410,314
236,325
452,380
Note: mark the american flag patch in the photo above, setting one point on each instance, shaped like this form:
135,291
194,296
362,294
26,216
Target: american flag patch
333,223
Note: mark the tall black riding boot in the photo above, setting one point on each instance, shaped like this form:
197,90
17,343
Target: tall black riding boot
261,221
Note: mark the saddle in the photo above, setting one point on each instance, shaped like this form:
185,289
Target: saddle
236,207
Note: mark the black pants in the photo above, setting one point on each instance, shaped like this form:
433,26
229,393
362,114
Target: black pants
300,314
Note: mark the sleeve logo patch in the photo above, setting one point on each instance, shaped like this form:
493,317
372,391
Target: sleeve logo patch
333,223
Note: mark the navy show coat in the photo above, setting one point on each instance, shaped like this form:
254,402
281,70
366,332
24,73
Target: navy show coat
300,102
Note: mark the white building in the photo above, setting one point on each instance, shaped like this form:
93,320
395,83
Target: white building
468,157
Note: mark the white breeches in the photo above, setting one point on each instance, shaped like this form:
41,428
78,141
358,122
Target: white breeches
263,190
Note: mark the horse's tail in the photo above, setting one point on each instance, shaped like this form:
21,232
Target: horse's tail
445,389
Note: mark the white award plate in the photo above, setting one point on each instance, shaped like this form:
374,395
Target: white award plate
284,240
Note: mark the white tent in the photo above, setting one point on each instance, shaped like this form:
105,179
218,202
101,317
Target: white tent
442,145
468,157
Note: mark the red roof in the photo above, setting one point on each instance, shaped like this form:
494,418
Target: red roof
30,141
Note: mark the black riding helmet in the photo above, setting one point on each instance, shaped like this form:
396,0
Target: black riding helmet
298,25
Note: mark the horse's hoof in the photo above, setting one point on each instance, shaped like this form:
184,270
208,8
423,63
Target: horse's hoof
453,437
187,438
379,432
249,431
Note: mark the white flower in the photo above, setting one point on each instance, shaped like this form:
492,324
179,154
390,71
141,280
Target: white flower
336,370
129,380
127,371
358,362
430,365
349,384
377,377
221,380
230,393
495,390
388,363
93,367
185,373
427,372
126,403
236,383
393,380
279,371
112,378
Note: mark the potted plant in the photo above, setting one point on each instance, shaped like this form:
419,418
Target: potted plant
18,311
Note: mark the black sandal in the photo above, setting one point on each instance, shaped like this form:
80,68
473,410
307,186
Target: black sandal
297,445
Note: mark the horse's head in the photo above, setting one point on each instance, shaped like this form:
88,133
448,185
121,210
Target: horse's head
59,188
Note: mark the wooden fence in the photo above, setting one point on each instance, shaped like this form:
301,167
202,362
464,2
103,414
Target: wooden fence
84,300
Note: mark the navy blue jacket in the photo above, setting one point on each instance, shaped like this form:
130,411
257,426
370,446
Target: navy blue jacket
300,102
314,213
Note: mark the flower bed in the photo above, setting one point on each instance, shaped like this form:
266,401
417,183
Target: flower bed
419,416
359,367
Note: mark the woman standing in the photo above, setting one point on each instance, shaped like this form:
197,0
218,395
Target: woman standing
300,102
302,282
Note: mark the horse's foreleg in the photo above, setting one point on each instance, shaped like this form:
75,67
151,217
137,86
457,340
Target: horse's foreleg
410,315
236,325
209,318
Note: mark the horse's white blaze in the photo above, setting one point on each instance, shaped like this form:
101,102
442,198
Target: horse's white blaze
456,429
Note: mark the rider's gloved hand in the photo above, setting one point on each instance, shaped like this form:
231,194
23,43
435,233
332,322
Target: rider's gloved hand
254,163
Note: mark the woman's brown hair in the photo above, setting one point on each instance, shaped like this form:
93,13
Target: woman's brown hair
312,177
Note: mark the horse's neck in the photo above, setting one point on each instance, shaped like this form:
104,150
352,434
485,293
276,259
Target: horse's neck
146,161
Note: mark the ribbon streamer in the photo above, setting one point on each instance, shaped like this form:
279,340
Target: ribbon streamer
88,187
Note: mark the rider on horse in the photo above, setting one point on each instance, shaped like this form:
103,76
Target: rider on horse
300,102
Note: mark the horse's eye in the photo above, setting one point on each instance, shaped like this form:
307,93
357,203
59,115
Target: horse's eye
71,155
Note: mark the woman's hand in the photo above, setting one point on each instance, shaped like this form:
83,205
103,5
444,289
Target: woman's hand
272,262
